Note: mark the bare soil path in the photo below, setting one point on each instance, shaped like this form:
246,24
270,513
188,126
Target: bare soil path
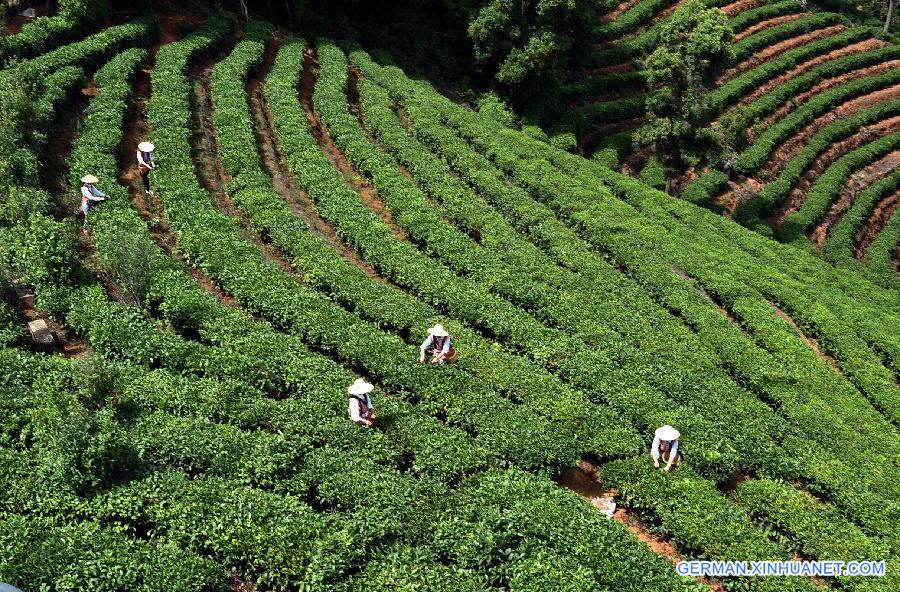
298,200
337,158
735,7
584,481
859,181
776,49
875,223
773,22
809,341
843,110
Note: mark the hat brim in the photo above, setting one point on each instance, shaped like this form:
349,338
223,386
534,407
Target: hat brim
361,389
146,147
89,179
438,332
667,433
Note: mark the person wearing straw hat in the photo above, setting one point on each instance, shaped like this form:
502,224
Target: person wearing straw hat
440,341
665,446
146,162
89,193
360,403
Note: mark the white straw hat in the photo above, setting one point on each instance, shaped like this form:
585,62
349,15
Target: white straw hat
89,179
146,147
360,387
667,432
438,331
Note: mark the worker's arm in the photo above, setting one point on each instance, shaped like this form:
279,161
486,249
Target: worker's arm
654,452
97,195
672,453
354,409
425,345
140,158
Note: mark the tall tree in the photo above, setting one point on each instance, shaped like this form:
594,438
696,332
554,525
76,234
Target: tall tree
694,45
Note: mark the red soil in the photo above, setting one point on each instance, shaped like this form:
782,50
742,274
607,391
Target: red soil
618,10
339,159
739,191
779,48
773,22
614,69
804,67
798,194
15,23
875,223
735,7
845,109
858,182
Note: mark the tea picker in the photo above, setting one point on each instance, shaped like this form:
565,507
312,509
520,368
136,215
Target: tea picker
441,344
89,194
146,162
665,446
360,403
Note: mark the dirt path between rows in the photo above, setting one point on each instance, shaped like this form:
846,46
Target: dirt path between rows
65,340
772,22
842,110
798,193
812,343
618,10
584,481
296,197
699,287
802,68
613,69
858,182
740,189
735,7
772,51
337,158
875,223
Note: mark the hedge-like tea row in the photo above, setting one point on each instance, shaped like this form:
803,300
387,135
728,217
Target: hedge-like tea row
739,86
670,287
753,158
699,520
602,432
836,481
839,246
746,47
778,190
408,204
702,190
817,530
631,19
595,85
824,191
744,19
214,241
880,252
588,117
75,18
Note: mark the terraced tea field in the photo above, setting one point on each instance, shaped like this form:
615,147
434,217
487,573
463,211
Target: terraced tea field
315,211
810,105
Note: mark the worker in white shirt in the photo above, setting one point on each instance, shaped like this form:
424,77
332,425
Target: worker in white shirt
360,403
441,344
665,446
146,162
89,193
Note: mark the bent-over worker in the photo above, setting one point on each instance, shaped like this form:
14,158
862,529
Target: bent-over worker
146,162
665,446
89,193
440,341
360,403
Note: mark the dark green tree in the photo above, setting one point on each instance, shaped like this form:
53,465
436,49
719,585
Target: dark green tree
694,45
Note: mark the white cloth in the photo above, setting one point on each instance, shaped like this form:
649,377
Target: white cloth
430,341
355,408
141,161
654,450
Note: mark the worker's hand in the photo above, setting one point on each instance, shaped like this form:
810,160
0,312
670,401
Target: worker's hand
655,463
422,358
668,466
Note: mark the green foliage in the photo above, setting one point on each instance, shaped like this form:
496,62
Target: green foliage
654,173
609,157
494,107
694,42
127,259
524,42
74,19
